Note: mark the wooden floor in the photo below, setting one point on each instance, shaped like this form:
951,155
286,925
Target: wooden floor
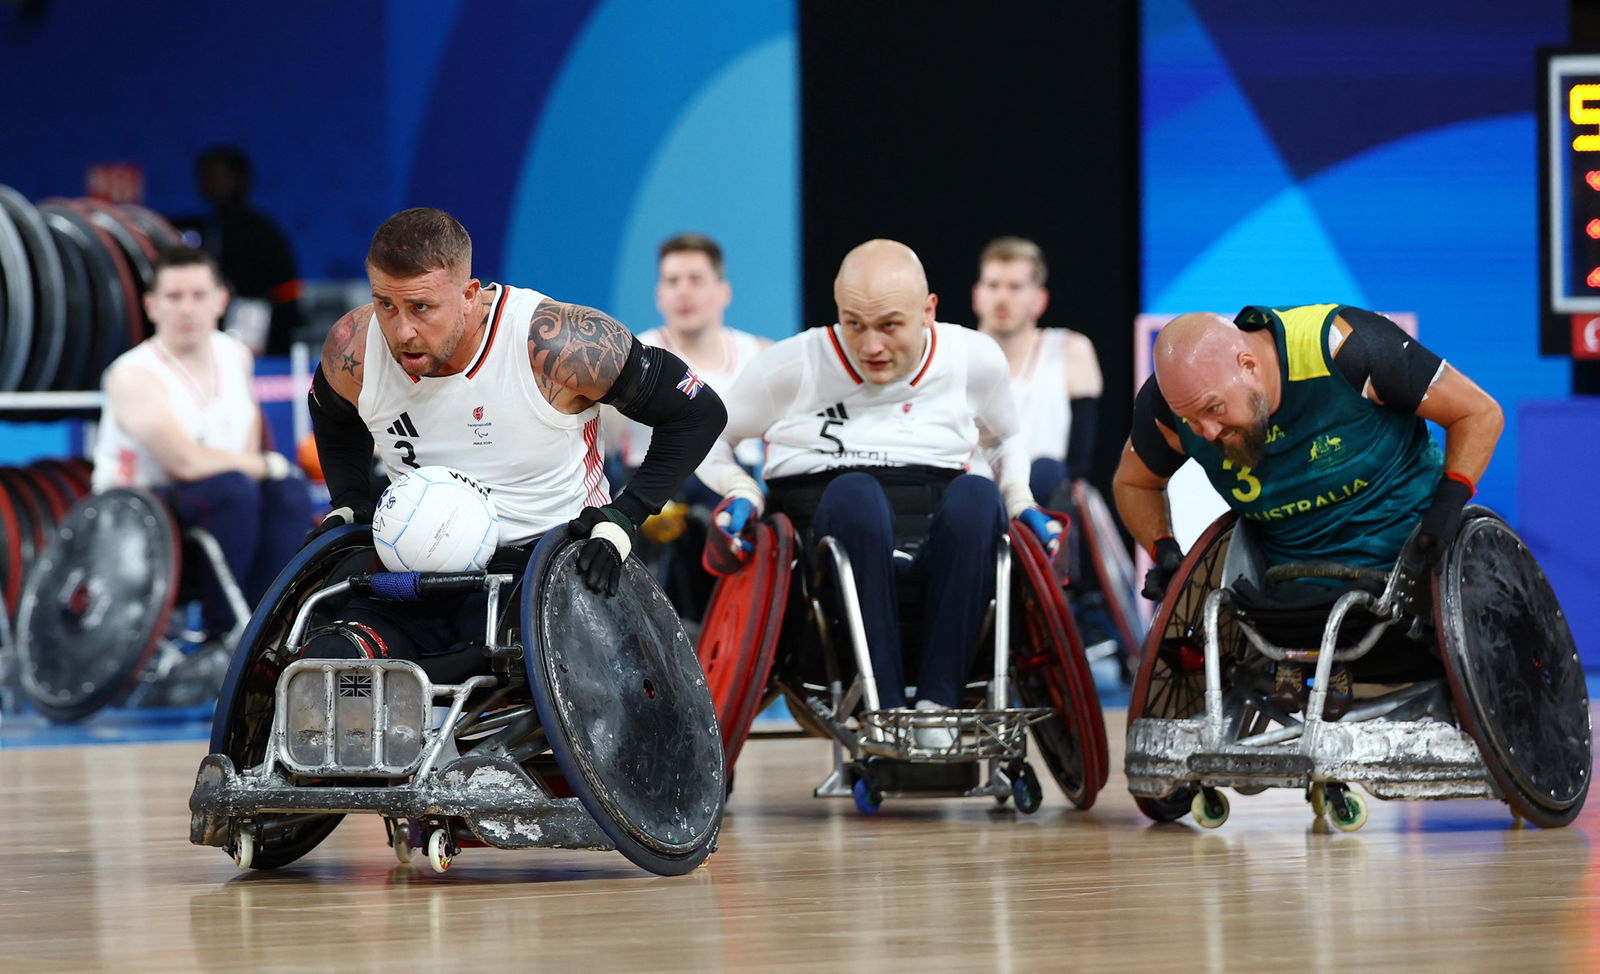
100,876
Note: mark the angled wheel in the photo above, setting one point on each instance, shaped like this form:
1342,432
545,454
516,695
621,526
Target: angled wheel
739,634
1049,670
243,721
96,603
1171,681
1514,671
624,705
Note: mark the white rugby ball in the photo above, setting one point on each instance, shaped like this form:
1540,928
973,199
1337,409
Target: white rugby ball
435,519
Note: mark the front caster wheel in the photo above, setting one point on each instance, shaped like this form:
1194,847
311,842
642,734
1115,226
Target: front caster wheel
1346,809
1209,807
439,850
868,799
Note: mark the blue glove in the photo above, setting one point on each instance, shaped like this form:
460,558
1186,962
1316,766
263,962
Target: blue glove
726,550
1044,526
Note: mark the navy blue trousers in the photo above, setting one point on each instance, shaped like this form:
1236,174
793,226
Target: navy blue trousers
1044,477
953,569
258,525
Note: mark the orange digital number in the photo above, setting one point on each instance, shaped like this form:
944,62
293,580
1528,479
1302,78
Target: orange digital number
1582,111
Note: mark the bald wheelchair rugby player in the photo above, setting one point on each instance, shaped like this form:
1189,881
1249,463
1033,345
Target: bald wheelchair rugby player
870,424
504,384
1310,422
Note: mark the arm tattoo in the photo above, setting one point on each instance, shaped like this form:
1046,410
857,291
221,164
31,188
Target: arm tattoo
577,349
344,348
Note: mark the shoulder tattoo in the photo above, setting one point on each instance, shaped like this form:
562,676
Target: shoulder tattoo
576,348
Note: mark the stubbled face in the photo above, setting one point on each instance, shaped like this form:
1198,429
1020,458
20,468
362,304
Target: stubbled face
424,318
1236,418
1006,298
689,293
884,327
185,305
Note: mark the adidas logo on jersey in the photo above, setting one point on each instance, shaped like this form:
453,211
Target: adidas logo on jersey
835,412
403,426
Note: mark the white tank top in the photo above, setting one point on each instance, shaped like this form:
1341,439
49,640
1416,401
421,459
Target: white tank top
1041,395
491,421
739,347
841,420
222,416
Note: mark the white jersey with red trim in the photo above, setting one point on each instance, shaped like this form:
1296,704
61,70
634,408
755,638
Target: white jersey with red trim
541,466
221,416
738,349
807,398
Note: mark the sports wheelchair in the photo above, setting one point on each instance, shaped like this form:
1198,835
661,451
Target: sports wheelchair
1468,684
765,637
96,623
587,725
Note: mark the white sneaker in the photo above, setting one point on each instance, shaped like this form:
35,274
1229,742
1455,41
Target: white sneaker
935,737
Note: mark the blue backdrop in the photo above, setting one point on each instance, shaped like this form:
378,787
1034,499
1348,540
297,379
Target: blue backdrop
569,136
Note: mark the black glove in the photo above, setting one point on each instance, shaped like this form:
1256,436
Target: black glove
1442,519
1167,556
611,537
338,518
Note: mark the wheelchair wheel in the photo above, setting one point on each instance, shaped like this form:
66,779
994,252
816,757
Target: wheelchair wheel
243,721
1514,670
740,632
1049,670
1171,680
624,707
1113,568
96,603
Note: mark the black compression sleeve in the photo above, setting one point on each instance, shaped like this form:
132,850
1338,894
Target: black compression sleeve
1400,367
1080,442
1149,408
344,445
659,390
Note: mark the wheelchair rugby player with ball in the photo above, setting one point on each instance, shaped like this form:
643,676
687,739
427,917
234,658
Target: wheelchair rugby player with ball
1352,620
491,581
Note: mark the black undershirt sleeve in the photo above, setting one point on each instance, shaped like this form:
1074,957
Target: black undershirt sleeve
1400,367
657,389
1149,409
1080,442
344,445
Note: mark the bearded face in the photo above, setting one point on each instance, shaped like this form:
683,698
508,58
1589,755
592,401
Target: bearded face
1246,446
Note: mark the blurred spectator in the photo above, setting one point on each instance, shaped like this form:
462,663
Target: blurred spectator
181,419
256,259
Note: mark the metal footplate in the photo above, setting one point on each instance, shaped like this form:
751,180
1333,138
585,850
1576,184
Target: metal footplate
1393,759
975,734
500,803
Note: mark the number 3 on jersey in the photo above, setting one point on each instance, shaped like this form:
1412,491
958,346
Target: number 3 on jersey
1252,487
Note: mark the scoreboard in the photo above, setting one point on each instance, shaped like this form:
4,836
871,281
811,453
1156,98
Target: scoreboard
1569,129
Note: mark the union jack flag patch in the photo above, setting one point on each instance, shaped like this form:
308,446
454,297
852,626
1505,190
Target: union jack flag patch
691,384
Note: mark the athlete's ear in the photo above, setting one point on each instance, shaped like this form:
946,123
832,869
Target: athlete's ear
1044,302
469,293
928,310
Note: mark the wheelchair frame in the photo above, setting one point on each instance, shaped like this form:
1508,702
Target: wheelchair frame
995,735
486,786
1402,744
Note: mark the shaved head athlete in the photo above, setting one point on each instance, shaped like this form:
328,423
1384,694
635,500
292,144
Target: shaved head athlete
1309,421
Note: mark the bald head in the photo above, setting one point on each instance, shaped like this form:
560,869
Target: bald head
1220,380
1196,352
884,308
880,267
